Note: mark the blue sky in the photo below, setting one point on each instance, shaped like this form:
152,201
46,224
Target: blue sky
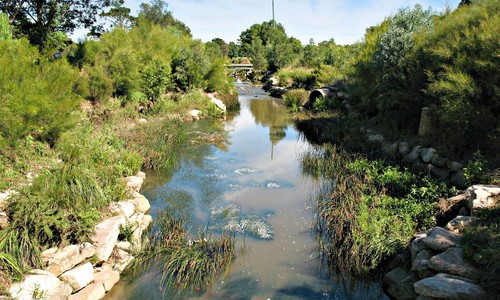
343,20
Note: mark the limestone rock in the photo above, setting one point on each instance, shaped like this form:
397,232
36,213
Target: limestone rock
4,220
440,239
142,121
439,161
40,285
484,195
4,197
394,276
403,148
123,260
94,291
458,179
218,103
452,262
439,173
492,190
390,149
108,278
376,138
413,155
134,183
106,235
442,287
125,246
195,114
79,277
125,208
454,166
135,221
399,284
417,245
420,265
426,154
146,221
141,203
141,175
61,260
458,224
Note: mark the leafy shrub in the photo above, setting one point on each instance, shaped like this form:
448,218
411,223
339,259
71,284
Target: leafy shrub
5,30
296,78
461,56
295,99
155,79
217,78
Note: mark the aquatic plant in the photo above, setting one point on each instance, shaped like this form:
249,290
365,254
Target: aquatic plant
184,264
366,210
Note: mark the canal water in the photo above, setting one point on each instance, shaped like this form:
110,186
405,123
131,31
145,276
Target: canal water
253,186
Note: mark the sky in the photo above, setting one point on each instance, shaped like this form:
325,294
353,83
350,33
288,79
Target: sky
343,20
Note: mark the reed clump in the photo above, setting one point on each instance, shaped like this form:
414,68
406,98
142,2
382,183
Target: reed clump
184,265
367,210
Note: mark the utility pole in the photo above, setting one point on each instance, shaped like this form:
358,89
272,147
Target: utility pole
273,11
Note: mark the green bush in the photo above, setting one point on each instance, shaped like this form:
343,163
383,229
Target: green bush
295,99
366,210
36,94
296,78
5,29
462,58
217,78
155,79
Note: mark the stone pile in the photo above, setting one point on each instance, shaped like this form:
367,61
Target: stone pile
420,159
434,267
89,270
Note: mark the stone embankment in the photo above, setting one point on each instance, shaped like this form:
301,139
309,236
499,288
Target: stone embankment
420,159
433,266
89,270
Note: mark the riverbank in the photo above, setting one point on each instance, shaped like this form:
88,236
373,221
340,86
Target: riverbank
62,203
381,183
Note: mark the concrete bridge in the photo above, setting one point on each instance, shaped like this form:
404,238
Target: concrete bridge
237,67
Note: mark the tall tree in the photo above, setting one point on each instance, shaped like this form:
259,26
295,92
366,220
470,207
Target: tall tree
157,13
37,19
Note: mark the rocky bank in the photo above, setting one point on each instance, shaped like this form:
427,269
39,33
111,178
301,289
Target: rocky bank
89,270
433,266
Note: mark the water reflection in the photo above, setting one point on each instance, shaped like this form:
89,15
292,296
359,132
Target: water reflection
273,115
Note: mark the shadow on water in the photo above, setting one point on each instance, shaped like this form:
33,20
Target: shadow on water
244,288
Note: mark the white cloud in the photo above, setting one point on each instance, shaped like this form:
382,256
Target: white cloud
343,20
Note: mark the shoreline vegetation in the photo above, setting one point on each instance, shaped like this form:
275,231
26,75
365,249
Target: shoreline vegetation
76,118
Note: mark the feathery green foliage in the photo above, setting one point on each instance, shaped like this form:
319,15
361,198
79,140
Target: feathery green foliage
36,95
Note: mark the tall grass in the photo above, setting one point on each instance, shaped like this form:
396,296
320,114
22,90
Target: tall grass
366,210
295,99
184,265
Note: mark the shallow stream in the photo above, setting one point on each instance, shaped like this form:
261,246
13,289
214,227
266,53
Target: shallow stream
253,186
